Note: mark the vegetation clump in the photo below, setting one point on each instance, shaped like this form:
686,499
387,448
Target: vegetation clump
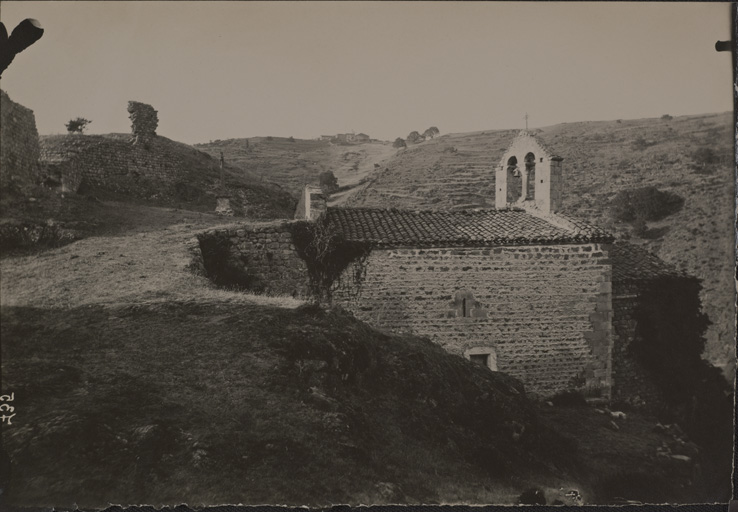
645,204
77,125
399,143
327,254
328,182
669,343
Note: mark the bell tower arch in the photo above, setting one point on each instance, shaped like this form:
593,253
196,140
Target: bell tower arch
537,170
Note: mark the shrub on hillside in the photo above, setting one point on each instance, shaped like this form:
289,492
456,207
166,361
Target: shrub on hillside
666,117
644,204
399,143
640,144
431,132
77,125
704,157
415,137
328,182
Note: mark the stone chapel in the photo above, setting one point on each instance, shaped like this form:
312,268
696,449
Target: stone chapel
520,289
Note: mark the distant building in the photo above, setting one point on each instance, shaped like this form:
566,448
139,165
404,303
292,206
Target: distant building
361,137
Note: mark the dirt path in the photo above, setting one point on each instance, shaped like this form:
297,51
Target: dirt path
355,165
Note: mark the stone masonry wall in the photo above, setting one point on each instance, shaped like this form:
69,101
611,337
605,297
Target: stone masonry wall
144,121
19,146
631,382
112,163
268,253
546,311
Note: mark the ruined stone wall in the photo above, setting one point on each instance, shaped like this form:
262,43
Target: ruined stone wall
267,253
144,121
546,311
19,146
113,163
631,383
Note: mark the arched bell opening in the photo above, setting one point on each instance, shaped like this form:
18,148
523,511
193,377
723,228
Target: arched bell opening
514,180
530,175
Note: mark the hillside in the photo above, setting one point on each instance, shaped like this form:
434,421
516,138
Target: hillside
600,159
292,163
195,186
137,381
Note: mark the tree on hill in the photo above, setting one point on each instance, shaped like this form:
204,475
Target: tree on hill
77,125
431,132
415,137
399,143
328,182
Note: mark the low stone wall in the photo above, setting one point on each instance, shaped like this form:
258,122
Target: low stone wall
265,252
544,312
19,146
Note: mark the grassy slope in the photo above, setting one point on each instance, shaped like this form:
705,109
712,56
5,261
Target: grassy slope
291,164
600,159
138,382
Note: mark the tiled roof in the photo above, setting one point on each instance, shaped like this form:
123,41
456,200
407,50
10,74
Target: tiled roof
456,228
630,262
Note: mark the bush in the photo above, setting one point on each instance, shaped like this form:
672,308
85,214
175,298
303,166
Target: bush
328,182
415,137
77,125
644,204
667,117
640,144
399,143
703,157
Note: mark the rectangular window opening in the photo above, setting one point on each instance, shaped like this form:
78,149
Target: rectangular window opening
481,359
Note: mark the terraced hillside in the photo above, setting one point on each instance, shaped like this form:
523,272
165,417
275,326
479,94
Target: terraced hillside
689,156
292,163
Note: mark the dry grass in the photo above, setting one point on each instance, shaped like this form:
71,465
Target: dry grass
146,265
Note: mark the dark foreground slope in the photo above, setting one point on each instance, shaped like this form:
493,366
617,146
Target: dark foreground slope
208,403
689,156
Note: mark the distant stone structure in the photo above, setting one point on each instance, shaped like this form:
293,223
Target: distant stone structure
19,146
116,162
144,121
312,204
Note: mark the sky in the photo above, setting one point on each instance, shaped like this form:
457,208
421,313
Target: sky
219,70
